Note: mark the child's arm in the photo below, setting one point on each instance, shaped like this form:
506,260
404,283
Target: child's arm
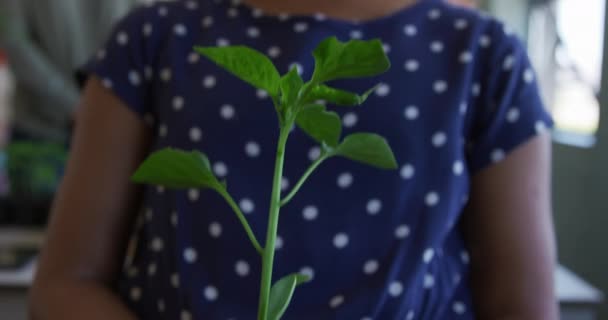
510,233
92,215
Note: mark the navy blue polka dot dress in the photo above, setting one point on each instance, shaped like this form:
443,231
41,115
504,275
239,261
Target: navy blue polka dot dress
383,245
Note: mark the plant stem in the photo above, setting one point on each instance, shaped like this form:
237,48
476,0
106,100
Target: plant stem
303,179
243,220
273,222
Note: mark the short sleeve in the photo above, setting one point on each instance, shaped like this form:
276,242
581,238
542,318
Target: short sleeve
121,63
509,111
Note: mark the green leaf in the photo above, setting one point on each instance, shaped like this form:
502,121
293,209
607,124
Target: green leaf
281,294
247,64
321,125
291,84
177,169
353,59
368,148
339,97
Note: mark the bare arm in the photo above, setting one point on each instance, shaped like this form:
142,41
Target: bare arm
92,214
510,233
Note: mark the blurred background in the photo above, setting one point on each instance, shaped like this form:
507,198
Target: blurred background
565,39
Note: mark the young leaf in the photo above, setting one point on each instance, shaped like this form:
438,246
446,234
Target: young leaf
321,125
291,83
247,64
368,148
281,294
353,59
339,97
177,169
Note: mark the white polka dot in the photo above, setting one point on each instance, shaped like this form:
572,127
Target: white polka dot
370,267
485,41
284,184
160,189
428,255
253,32
178,103
350,119
227,112
407,171
439,139
101,54
134,78
395,289
135,293
459,307
207,22
194,57
461,24
366,318
308,271
513,115
374,206
298,66
402,231
410,30
310,213
174,218
211,293
336,301
278,243
160,304
148,73
314,153
429,281
242,268
253,149
163,11
466,57
434,14
540,127
220,169
528,76
196,134
345,180
300,27
356,34
152,268
476,89
463,108
174,280
180,30
497,155
274,52
411,113
107,83
157,244
412,65
458,168
215,230
386,47
432,199
165,75
436,46
261,94
209,82
257,13
191,5
341,240
193,195
410,315
247,205
508,63
122,38
222,42
456,279
190,255
464,256
440,86
232,13
148,215
283,16
383,90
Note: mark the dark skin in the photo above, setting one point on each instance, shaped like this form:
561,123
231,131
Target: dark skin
507,225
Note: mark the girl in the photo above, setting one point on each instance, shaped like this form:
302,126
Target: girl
461,231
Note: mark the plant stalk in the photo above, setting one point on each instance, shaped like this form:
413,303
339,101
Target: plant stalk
273,222
243,221
303,179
